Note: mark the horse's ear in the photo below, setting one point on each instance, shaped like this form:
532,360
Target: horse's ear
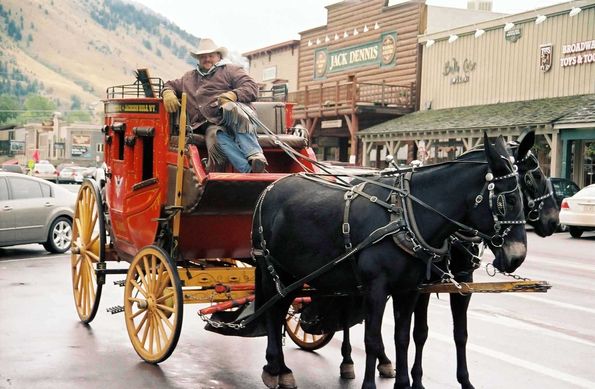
496,155
500,146
526,141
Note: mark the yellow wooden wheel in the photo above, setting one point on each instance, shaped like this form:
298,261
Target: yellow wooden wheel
303,339
153,304
87,250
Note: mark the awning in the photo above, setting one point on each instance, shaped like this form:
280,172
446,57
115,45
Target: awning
462,121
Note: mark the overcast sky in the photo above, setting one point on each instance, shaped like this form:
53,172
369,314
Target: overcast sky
246,25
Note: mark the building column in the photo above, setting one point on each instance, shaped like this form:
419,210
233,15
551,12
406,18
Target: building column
555,153
578,163
566,154
353,126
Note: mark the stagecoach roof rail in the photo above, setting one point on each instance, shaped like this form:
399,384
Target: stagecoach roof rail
135,89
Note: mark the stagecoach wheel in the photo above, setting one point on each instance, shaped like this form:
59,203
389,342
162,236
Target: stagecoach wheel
153,304
87,250
301,338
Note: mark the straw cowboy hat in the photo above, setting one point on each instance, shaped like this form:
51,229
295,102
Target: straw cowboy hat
206,46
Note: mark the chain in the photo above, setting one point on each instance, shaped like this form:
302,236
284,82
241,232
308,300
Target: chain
220,324
496,271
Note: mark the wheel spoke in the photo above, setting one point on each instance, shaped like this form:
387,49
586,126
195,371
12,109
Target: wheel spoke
165,319
166,308
157,332
141,274
141,325
139,288
94,256
151,325
164,297
153,273
140,310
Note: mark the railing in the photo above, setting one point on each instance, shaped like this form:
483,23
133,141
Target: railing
152,88
272,94
349,94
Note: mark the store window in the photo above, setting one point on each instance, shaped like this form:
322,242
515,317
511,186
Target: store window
269,73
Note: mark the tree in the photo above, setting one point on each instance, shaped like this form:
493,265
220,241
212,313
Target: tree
75,102
78,116
37,108
8,107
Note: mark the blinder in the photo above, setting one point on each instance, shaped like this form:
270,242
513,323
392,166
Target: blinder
502,205
530,183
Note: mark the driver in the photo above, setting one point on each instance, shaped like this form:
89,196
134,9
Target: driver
219,94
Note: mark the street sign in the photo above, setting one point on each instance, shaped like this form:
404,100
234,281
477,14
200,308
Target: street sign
331,123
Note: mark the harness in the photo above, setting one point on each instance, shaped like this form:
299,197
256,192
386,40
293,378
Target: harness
402,226
402,223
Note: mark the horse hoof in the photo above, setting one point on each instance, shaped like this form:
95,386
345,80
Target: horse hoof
286,381
347,371
270,381
387,371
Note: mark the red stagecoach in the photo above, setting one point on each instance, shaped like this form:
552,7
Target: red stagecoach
184,232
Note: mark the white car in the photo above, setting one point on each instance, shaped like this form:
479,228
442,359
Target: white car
578,212
33,210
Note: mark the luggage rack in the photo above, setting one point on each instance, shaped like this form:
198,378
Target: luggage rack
151,87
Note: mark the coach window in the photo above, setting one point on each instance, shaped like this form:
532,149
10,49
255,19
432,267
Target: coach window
146,135
119,130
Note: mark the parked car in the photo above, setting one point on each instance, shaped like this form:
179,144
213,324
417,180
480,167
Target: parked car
14,168
71,174
65,175
80,173
578,212
33,210
47,171
563,187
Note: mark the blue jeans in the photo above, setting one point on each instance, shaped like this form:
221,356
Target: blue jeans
237,147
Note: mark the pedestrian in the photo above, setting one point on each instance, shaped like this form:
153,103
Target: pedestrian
219,94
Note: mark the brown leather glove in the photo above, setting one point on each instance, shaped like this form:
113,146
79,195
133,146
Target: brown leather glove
227,97
170,100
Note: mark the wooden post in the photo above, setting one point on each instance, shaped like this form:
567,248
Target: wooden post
337,96
320,100
306,100
179,177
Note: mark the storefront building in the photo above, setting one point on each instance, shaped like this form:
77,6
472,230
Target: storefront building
275,69
358,70
535,69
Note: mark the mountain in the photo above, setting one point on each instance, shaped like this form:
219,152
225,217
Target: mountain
72,50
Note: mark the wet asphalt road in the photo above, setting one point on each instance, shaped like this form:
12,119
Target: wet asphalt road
517,340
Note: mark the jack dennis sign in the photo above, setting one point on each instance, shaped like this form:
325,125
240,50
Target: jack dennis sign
381,52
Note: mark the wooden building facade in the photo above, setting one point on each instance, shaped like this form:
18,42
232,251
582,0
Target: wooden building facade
360,69
533,69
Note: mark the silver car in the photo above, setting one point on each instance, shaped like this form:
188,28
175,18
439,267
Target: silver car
33,210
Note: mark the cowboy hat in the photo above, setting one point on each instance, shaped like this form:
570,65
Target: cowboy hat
206,46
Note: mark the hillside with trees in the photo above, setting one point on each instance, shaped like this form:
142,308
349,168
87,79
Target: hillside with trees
70,51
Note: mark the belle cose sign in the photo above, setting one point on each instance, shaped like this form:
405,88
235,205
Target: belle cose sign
577,53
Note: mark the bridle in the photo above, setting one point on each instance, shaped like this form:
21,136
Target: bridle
498,204
531,188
